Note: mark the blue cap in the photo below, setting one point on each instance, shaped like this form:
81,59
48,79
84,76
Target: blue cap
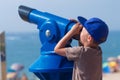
97,28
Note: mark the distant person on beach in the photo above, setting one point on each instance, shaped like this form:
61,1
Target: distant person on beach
113,63
14,72
24,77
88,56
118,61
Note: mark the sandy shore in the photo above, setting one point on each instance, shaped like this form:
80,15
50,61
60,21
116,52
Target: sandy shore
112,76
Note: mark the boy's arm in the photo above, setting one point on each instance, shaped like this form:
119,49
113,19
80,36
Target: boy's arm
60,47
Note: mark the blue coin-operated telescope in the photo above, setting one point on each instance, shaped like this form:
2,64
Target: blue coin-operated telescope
49,65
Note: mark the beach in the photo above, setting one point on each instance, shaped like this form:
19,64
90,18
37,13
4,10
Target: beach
24,48
111,76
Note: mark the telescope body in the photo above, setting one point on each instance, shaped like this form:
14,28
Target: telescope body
49,65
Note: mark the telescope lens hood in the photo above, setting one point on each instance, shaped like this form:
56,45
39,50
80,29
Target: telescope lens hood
24,12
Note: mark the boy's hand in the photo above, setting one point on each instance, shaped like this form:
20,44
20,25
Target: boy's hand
76,30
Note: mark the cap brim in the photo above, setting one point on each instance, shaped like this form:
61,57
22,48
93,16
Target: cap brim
82,20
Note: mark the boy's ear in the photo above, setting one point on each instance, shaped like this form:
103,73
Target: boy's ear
89,38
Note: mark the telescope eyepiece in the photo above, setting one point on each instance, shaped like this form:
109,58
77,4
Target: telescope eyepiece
24,12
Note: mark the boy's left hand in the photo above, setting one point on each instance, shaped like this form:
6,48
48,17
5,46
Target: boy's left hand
76,31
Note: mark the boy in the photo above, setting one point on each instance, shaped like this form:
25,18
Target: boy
88,57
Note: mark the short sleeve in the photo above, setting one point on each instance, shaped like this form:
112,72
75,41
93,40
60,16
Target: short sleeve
73,53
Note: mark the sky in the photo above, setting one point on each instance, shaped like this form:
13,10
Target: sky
107,10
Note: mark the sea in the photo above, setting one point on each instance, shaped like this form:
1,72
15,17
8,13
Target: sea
24,48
